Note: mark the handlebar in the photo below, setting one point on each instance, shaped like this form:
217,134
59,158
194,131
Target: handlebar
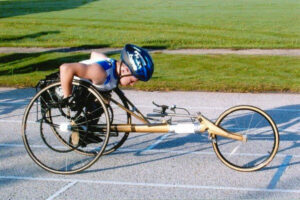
163,108
162,112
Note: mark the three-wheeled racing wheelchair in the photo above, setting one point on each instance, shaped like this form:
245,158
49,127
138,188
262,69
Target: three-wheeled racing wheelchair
67,139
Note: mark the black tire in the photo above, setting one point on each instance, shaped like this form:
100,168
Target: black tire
117,116
46,127
262,139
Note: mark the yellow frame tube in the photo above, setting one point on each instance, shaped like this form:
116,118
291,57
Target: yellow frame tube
205,125
156,128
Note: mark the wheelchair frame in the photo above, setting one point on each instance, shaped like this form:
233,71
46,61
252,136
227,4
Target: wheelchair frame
199,124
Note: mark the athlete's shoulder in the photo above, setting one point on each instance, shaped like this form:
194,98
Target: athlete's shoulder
98,61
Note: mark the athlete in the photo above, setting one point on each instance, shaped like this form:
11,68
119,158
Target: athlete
105,74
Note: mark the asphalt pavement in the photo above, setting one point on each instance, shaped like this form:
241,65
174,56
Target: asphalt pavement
157,166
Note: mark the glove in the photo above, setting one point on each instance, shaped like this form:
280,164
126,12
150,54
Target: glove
68,102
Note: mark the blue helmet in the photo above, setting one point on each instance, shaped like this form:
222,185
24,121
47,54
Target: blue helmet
138,61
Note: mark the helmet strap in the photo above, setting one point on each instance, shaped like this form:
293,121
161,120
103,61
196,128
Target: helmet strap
119,72
118,69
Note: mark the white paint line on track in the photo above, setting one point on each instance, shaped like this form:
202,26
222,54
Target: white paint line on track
15,103
222,108
156,143
188,107
56,194
17,121
161,185
10,121
152,150
11,145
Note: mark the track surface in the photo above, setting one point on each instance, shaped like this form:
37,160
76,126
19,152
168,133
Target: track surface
157,166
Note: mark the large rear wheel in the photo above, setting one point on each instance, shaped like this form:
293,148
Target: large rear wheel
58,137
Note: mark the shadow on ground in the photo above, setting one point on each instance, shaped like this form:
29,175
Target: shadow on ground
15,63
17,8
284,121
46,64
28,36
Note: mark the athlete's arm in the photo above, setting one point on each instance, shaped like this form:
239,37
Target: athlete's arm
93,72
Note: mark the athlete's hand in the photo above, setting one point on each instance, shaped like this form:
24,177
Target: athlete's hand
68,102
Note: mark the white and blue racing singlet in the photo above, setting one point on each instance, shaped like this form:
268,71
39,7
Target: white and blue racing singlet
109,65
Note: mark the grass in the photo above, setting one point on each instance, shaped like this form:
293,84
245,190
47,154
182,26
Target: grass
151,23
227,73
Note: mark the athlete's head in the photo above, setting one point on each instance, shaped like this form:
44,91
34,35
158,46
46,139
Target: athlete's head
138,61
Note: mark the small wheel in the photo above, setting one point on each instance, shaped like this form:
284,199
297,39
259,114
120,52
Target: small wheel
48,130
118,116
262,139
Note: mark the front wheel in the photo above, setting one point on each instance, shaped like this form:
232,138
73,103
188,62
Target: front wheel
262,138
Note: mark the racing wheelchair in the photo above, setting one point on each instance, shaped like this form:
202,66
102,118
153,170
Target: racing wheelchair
68,138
